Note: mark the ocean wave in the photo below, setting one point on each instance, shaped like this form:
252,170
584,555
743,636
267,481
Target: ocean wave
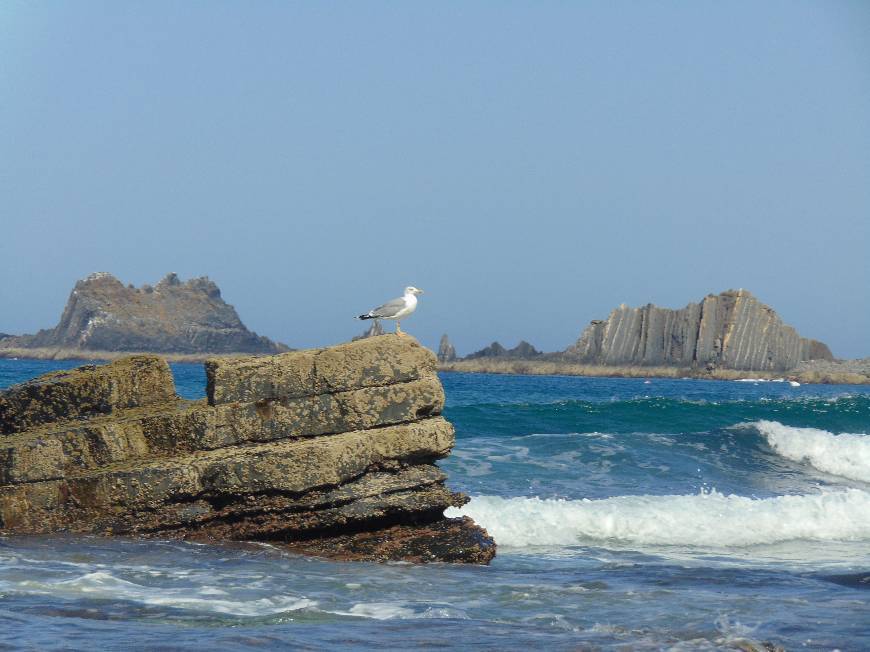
709,519
846,455
104,585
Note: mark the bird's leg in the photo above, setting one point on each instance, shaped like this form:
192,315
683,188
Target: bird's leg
398,328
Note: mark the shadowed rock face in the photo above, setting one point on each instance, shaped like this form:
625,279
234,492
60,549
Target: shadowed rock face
102,314
732,330
330,451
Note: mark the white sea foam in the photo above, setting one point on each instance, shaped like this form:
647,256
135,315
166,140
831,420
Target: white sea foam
401,611
846,455
708,519
100,584
381,610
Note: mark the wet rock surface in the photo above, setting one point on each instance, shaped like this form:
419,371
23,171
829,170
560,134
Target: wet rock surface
328,451
447,540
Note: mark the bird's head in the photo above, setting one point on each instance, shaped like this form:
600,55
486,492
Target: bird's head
412,290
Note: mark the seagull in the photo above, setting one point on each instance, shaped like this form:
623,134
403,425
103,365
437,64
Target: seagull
396,308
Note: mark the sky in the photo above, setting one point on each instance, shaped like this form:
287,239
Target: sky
530,165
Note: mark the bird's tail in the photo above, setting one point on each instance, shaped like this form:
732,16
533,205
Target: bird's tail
366,316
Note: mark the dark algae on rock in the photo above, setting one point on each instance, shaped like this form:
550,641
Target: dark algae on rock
331,452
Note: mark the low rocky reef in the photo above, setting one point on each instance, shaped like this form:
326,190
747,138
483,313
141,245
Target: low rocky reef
726,336
840,372
522,351
330,452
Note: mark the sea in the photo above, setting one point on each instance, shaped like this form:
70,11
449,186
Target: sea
630,514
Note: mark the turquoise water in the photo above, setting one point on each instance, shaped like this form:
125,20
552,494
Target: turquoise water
672,514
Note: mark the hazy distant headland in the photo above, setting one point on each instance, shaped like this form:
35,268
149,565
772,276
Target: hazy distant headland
104,319
726,336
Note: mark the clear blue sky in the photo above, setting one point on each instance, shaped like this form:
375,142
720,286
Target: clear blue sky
529,164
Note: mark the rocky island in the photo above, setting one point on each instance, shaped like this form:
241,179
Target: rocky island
104,319
724,336
446,350
329,452
731,330
522,351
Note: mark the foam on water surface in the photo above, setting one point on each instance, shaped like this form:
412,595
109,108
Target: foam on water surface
708,519
103,585
381,610
846,455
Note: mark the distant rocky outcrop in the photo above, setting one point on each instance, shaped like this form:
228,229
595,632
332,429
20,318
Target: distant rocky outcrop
731,330
523,350
102,314
372,331
329,452
446,351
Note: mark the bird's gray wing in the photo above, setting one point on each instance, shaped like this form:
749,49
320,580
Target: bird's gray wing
389,309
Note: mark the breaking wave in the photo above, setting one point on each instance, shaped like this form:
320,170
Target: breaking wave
846,455
708,519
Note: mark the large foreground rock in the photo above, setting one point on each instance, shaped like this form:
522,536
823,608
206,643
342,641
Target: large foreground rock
104,315
329,451
731,330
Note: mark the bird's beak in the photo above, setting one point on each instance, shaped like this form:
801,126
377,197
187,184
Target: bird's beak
419,291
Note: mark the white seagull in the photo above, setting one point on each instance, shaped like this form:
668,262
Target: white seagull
396,308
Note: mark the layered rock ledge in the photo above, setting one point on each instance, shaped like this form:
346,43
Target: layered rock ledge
331,452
